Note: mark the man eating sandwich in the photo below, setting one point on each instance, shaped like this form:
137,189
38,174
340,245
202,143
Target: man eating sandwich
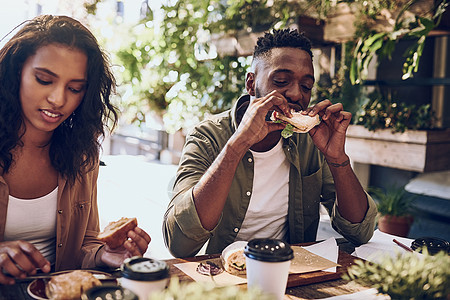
239,179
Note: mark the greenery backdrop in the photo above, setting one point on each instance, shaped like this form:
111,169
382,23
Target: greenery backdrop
172,67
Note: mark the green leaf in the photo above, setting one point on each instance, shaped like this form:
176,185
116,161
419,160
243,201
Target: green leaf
406,276
288,131
394,201
367,45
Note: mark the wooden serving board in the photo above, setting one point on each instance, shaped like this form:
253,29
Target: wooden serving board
345,260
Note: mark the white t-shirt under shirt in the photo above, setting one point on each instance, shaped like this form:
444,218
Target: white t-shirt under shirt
266,216
34,221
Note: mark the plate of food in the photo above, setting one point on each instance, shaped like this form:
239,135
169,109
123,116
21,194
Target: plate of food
67,284
233,259
72,284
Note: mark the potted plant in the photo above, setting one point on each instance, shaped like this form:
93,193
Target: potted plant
394,210
407,276
380,27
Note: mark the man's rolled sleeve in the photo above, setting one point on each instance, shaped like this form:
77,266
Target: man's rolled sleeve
356,233
183,232
185,215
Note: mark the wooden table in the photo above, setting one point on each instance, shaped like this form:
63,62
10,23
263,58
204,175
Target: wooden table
313,285
323,290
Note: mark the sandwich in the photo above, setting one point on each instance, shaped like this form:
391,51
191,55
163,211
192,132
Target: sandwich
299,122
116,233
234,262
70,285
233,258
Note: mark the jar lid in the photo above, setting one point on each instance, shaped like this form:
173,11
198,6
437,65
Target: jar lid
144,269
270,250
108,292
433,245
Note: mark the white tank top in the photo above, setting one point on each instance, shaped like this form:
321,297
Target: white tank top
34,221
266,216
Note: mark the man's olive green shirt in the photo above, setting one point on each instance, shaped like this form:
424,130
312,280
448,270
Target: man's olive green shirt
310,183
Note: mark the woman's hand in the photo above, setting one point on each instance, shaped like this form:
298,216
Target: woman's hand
136,245
20,259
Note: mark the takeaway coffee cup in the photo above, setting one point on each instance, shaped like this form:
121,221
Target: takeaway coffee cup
267,262
144,276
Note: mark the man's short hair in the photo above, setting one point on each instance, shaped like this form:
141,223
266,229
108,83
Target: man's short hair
279,39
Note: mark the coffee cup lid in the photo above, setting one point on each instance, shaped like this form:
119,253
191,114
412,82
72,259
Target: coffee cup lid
270,250
144,269
433,245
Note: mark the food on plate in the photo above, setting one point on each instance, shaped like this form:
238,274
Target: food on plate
235,262
70,285
115,233
233,258
209,268
299,122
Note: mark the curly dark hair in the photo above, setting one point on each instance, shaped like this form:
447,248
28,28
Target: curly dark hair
75,144
279,39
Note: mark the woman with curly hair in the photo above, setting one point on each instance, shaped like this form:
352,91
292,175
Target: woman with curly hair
55,88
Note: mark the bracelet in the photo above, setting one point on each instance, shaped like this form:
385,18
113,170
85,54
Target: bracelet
345,163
